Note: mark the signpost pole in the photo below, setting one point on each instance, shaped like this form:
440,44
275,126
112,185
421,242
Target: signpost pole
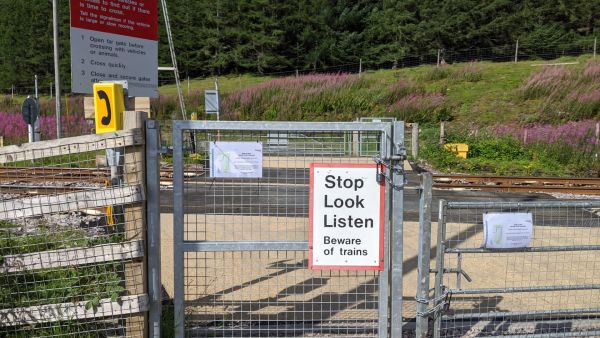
56,68
36,124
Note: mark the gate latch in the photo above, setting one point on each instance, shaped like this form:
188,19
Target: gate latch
396,165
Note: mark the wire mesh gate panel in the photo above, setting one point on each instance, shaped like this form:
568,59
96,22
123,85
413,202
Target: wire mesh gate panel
241,249
549,289
68,265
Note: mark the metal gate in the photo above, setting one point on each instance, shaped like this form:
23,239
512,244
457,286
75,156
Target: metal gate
547,289
240,257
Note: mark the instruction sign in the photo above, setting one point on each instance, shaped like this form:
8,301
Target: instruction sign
346,208
115,40
236,159
507,230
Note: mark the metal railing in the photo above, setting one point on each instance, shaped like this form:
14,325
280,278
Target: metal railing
548,288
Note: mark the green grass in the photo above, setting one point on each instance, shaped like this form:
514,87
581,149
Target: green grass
490,154
487,95
227,84
82,283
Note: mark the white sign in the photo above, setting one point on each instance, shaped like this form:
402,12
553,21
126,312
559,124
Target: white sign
345,217
211,101
507,230
115,40
236,159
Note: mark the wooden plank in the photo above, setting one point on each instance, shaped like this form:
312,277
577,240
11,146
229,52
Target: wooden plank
135,223
71,145
73,311
72,257
88,107
47,204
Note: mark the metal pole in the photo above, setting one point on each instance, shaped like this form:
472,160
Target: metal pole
439,266
423,267
36,124
173,59
517,51
360,66
397,230
218,100
56,68
442,132
153,229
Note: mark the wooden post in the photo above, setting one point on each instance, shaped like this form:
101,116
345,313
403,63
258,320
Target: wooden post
517,51
135,222
296,72
359,66
1,141
525,136
595,47
415,141
442,133
438,59
597,132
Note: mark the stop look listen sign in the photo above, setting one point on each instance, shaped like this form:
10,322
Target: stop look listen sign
346,215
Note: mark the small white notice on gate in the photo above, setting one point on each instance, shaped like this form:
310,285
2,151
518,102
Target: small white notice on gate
345,217
507,230
236,159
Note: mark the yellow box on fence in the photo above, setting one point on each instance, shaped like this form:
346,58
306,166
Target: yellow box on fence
109,105
460,149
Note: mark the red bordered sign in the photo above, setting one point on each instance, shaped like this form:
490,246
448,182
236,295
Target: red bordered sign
346,217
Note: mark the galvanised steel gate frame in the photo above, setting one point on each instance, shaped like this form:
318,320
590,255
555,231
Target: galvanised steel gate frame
392,154
439,309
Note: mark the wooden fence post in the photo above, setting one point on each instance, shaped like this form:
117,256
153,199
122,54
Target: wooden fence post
415,141
135,223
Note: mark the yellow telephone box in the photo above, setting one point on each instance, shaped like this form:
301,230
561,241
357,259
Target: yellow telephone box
109,105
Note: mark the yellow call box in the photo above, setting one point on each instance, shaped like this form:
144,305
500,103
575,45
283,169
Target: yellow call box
109,105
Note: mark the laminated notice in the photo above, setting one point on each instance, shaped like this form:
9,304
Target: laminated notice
236,159
507,230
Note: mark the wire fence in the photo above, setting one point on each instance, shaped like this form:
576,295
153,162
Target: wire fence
241,288
503,53
548,287
71,238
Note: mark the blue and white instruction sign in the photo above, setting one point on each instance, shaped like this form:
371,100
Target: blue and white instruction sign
236,159
346,209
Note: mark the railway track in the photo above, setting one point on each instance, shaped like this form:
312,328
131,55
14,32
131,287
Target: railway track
573,185
42,180
72,175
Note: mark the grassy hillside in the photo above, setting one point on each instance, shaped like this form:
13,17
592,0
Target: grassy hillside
525,118
481,93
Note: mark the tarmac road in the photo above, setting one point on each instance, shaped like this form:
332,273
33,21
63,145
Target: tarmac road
284,192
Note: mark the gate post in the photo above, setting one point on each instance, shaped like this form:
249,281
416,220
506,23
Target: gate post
397,221
153,226
134,221
423,267
439,265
